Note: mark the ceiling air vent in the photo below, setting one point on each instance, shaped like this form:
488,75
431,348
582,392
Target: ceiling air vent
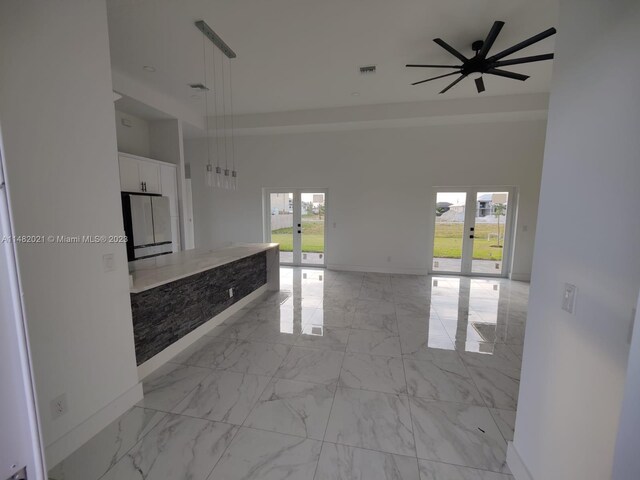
367,69
199,86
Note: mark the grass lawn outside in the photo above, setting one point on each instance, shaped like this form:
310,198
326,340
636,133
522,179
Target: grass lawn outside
448,241
312,237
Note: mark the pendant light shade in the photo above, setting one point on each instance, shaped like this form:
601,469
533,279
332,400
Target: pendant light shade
209,175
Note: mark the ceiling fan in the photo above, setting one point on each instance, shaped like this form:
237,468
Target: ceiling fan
479,64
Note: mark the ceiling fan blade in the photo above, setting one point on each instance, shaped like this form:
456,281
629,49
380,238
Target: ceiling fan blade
450,49
505,73
480,84
491,38
435,78
517,61
432,66
454,83
524,44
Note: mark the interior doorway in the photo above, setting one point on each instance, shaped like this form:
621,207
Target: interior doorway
296,219
472,230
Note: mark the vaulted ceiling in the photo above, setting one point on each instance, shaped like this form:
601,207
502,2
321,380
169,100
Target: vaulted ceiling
305,54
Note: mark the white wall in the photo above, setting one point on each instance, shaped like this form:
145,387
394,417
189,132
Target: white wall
133,139
57,121
379,183
588,234
626,463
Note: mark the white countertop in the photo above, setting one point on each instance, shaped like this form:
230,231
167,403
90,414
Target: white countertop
153,272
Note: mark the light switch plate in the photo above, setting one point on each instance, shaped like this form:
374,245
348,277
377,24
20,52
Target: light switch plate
569,297
108,262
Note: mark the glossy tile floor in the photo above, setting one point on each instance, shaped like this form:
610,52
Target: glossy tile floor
338,376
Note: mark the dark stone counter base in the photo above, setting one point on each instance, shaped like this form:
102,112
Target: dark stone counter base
165,314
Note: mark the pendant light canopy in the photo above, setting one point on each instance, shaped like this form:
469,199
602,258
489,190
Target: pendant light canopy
224,138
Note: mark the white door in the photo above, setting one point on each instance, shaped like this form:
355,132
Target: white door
20,444
297,219
472,230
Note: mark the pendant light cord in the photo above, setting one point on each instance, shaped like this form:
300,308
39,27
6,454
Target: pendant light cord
215,109
233,140
206,98
224,119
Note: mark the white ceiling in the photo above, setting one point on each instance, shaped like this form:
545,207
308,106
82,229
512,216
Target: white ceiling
305,54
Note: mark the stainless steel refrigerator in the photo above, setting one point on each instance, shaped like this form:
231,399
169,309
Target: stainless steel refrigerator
147,224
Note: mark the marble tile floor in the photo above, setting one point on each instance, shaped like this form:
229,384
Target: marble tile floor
340,375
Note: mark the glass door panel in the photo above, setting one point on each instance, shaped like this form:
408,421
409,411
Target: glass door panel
448,238
472,230
281,224
296,219
489,232
312,228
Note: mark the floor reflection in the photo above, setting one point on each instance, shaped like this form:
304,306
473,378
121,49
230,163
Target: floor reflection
444,312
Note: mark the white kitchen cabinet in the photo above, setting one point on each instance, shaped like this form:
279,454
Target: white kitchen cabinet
129,174
138,175
149,176
169,186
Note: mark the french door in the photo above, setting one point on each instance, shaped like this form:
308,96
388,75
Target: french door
296,219
472,230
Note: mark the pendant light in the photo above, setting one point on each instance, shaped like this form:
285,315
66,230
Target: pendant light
209,170
234,173
220,178
227,173
218,173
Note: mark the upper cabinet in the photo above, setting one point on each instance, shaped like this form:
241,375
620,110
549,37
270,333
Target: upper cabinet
139,175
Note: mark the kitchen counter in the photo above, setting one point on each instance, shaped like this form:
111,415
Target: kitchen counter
177,298
153,272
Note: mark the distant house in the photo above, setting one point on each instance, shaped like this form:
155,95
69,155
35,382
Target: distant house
485,208
281,203
486,202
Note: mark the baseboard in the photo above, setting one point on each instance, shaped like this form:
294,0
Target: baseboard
518,469
67,444
520,277
389,270
189,339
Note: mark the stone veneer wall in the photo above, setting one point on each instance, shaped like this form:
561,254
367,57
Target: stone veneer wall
164,314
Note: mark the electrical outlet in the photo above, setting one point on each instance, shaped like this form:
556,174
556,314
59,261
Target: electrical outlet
108,262
569,297
230,292
59,406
